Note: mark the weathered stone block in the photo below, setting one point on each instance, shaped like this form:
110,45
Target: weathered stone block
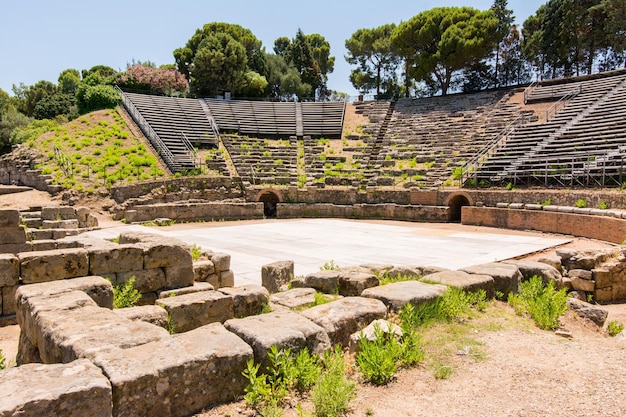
588,311
53,265
343,317
146,280
76,389
602,277
369,333
506,277
248,300
326,281
581,273
227,279
196,287
178,375
165,253
202,270
353,282
530,269
58,213
221,261
9,270
9,218
114,259
580,284
276,275
396,295
553,261
191,311
11,235
460,279
46,244
282,328
294,298
150,314
65,335
27,352
16,247
60,224
178,276
8,305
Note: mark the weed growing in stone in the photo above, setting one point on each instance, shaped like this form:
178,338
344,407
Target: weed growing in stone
614,328
581,203
452,305
542,302
125,295
196,252
329,266
2,361
387,279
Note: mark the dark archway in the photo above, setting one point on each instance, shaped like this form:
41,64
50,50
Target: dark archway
270,200
455,203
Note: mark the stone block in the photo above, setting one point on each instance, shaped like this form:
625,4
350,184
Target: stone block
397,294
179,375
149,313
27,352
276,275
12,235
41,234
178,276
166,252
602,277
588,311
248,300
345,316
326,281
58,213
354,282
202,270
582,274
115,258
214,280
66,335
294,298
463,280
506,277
60,224
16,247
410,271
530,269
226,279
62,233
77,389
194,310
32,223
221,261
9,218
375,269
553,261
281,328
196,287
53,265
146,280
9,270
580,284
44,245
8,305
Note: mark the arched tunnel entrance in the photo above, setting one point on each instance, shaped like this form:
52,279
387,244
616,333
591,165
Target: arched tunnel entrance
455,202
270,200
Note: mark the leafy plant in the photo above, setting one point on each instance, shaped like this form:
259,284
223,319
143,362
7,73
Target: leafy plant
329,266
2,361
603,205
452,305
581,203
125,295
542,302
387,279
333,392
614,328
196,251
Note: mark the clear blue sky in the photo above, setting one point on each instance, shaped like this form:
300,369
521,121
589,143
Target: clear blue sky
41,38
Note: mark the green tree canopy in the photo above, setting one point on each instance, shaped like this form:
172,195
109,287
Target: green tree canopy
284,82
377,61
219,65
55,105
27,97
310,56
443,40
69,80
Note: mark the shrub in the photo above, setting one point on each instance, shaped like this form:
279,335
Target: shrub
453,304
329,266
125,295
614,328
333,392
542,302
603,205
581,203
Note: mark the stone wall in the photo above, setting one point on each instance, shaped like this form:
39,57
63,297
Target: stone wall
18,168
188,211
363,211
563,221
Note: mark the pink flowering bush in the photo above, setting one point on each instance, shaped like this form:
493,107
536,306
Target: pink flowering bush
153,80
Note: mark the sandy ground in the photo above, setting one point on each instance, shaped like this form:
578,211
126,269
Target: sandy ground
526,372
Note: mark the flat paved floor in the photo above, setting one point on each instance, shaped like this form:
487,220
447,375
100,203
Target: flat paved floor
310,243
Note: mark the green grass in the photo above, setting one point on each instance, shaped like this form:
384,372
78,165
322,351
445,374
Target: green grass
614,328
126,295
